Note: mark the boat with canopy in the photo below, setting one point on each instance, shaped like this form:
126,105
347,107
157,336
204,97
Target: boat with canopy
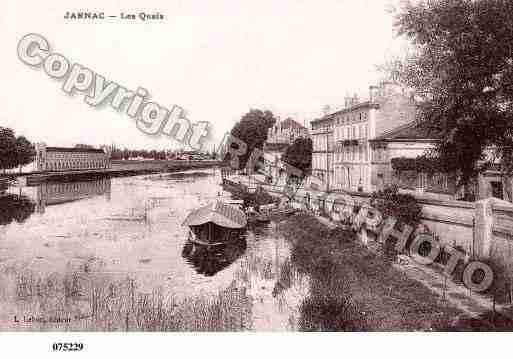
215,224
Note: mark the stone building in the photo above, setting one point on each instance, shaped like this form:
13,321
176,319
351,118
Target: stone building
322,152
341,139
55,159
354,148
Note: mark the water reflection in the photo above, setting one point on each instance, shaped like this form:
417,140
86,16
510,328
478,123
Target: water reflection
14,207
119,274
209,260
48,194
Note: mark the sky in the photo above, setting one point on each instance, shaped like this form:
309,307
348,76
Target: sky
216,59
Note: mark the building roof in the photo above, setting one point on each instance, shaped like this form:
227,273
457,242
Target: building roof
326,118
411,131
290,123
358,106
74,149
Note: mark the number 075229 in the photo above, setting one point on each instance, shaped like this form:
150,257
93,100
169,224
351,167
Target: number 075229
67,347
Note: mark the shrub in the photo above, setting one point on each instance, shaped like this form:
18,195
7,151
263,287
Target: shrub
391,203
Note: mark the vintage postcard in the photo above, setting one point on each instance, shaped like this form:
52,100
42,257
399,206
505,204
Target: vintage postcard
257,166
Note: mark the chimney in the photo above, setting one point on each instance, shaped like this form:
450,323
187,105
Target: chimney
373,93
355,101
348,101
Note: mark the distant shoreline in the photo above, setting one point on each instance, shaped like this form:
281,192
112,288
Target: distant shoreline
120,168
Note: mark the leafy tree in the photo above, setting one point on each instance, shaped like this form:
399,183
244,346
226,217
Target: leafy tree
8,150
461,67
15,208
299,155
252,130
25,151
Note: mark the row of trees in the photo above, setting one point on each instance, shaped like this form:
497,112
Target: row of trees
14,151
125,154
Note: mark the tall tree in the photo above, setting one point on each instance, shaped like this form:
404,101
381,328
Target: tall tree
25,151
252,130
299,155
8,150
461,67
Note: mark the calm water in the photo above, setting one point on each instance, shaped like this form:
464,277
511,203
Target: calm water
129,229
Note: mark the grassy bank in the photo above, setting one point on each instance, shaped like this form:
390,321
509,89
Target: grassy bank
354,289
80,301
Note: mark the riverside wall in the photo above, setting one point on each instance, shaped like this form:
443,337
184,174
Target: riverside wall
483,230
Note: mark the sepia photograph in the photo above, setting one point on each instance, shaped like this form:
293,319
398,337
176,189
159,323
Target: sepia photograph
254,167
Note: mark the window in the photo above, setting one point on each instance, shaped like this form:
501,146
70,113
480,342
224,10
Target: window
497,191
422,180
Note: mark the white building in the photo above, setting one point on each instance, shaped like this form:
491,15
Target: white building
322,153
346,133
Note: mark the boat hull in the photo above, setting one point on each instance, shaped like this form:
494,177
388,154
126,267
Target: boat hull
210,234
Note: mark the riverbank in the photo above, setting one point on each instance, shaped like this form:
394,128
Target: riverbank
355,289
118,169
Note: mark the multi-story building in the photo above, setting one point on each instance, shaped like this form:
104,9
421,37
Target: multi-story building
322,154
65,158
354,149
388,107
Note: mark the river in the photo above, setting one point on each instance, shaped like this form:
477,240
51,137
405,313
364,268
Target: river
111,254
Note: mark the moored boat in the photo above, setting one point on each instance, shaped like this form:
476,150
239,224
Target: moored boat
215,224
255,216
274,210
